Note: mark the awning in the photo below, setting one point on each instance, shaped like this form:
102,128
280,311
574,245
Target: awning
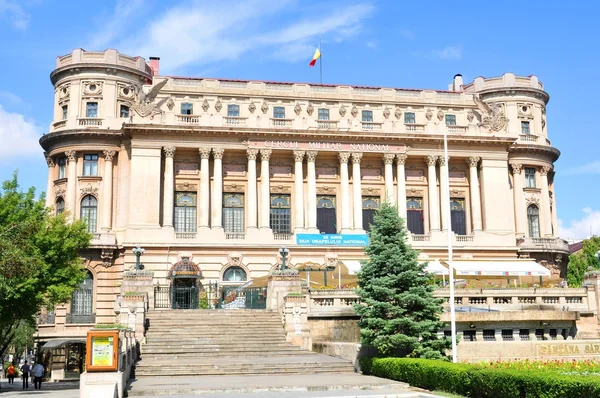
436,267
52,344
352,265
498,268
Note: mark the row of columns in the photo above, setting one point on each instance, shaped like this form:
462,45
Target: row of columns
546,213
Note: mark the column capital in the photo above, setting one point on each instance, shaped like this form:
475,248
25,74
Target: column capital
344,156
299,156
473,161
204,153
265,154
71,155
252,154
442,160
516,168
49,160
388,158
431,160
311,155
545,170
109,155
356,157
169,151
218,153
401,158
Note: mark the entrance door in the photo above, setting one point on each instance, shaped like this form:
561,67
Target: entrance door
185,294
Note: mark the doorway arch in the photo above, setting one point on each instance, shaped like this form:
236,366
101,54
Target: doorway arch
185,279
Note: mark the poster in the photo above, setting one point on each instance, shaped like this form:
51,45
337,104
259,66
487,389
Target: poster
102,351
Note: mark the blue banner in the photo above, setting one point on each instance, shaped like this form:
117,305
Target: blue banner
332,240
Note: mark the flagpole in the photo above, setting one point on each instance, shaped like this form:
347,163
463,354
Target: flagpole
321,62
446,197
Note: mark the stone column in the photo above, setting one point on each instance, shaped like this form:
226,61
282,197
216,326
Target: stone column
107,185
298,190
545,202
217,199
265,193
388,160
443,194
169,187
345,191
204,202
358,220
312,191
50,201
71,204
434,206
401,176
518,197
252,194
475,194
554,214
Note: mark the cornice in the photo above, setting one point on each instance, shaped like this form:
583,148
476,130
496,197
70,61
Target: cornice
549,151
47,140
512,91
76,69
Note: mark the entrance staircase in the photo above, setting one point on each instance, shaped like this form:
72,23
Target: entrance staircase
226,342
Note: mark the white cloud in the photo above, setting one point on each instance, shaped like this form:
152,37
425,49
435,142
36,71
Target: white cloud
372,45
590,168
18,135
449,52
15,13
115,25
588,225
407,34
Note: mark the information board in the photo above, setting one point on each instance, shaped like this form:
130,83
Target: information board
101,350
332,239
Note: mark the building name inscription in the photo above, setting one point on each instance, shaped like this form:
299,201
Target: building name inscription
327,146
566,349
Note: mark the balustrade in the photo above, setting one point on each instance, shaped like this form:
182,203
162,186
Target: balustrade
415,127
185,235
188,119
235,120
326,124
234,235
370,126
90,122
283,236
60,124
457,129
276,122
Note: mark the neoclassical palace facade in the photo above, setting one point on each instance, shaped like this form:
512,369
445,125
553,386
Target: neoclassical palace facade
222,173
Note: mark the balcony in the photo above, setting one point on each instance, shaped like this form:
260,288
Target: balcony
543,244
185,235
283,236
188,119
457,129
371,126
463,238
277,122
235,235
528,138
77,318
412,127
59,125
420,238
235,120
90,122
326,124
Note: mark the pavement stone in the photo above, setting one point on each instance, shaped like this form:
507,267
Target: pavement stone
65,389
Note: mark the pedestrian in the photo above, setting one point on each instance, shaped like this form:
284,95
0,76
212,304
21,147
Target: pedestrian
38,374
10,373
25,369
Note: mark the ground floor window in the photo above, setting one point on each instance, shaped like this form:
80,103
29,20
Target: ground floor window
82,302
326,215
234,274
458,218
370,205
414,216
233,212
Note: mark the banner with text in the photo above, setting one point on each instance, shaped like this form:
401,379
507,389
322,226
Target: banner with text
332,240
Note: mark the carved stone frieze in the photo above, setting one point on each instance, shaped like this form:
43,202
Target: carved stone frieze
264,107
282,189
92,87
109,155
386,113
440,115
297,109
186,187
412,191
89,189
60,191
343,110
457,193
492,117
470,115
170,103
49,161
218,105
205,105
107,256
233,188
126,91
429,114
370,191
298,156
310,109
326,190
64,91
71,155
252,107
532,200
397,113
252,153
354,111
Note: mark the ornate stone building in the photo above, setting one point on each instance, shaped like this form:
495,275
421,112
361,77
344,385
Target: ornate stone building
222,173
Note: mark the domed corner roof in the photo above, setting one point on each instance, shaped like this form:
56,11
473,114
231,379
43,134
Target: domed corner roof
185,269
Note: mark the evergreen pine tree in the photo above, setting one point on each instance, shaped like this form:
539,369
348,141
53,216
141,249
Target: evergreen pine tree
398,313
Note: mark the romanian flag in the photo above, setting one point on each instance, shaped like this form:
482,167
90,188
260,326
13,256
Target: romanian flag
315,57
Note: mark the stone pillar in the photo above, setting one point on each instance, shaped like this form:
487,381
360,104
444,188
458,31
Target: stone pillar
312,191
434,207
252,194
169,187
71,204
345,191
445,196
50,202
545,202
401,176
554,214
204,202
298,190
123,188
217,199
107,185
518,195
358,220
388,160
265,193
473,161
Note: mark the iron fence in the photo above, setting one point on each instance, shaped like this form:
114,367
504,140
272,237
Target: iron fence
210,296
81,318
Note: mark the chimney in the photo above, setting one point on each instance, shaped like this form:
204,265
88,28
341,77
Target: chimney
456,83
154,63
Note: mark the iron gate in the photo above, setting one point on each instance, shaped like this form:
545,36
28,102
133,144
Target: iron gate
210,296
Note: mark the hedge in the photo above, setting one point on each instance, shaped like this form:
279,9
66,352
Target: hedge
476,382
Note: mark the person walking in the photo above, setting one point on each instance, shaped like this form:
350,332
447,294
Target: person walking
11,373
38,374
25,369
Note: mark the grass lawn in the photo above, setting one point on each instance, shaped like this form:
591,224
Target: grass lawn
446,394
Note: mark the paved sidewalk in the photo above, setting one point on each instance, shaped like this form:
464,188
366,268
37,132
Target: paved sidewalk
67,389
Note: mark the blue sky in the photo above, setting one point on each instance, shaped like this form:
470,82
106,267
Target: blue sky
373,43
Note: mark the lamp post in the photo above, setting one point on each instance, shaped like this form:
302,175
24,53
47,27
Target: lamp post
284,252
138,251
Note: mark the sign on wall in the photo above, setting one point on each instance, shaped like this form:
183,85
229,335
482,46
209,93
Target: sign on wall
101,350
332,240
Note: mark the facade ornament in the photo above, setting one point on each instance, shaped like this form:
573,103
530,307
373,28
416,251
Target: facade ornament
311,156
204,153
169,151
170,103
233,188
297,109
109,155
457,193
144,103
470,115
107,256
252,107
331,260
516,168
388,158
71,155
429,114
412,191
343,110
264,107
398,113
386,113
473,161
440,115
265,154
49,160
344,156
544,170
310,109
325,190
430,160
252,153
492,116
218,105
280,189
60,191
187,187
356,157
205,105
126,91
218,153
442,160
543,117
401,158
298,156
64,91
92,87
370,191
354,111
235,258
532,200
89,190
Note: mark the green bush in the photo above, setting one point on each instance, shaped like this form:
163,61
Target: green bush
476,382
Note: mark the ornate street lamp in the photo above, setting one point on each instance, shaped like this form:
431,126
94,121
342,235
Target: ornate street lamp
284,252
138,251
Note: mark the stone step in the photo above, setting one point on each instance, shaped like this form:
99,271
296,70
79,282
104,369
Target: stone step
171,356
212,347
191,370
214,339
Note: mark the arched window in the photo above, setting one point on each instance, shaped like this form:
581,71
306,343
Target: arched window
234,274
60,206
82,302
533,221
89,212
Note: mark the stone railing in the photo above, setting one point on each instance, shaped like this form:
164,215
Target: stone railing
553,244
90,121
108,57
235,120
370,126
420,238
528,138
185,235
330,302
234,235
188,119
59,125
283,236
463,238
327,124
414,127
457,129
277,122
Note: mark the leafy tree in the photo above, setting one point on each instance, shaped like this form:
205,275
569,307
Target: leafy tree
582,260
398,313
39,259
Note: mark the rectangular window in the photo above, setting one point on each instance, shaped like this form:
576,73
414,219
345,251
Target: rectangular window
124,111
450,120
323,114
233,110
524,334
326,215
91,109
525,128
489,335
280,217
233,212
458,218
529,177
367,116
279,112
539,334
370,204
414,216
469,335
187,108
507,334
553,334
409,118
65,112
185,212
62,167
90,165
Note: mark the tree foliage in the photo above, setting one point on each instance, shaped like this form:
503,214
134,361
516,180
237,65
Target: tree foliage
398,313
39,258
580,261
